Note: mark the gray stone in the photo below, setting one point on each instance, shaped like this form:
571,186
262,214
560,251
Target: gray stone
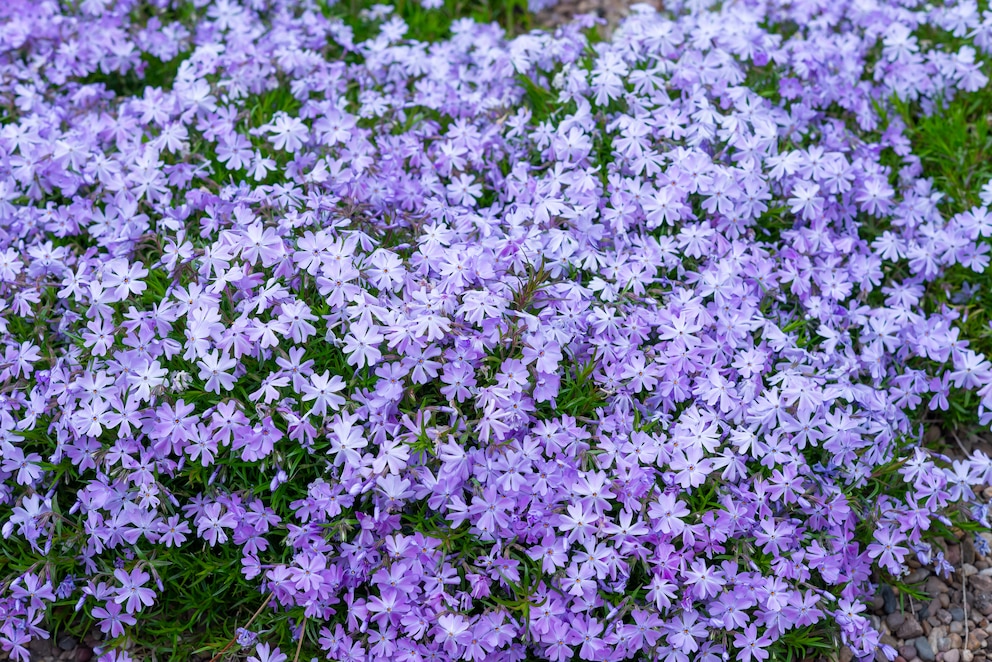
957,627
889,599
957,613
943,617
983,603
935,586
908,651
967,656
923,649
894,620
980,584
917,576
969,570
938,639
909,629
67,643
953,655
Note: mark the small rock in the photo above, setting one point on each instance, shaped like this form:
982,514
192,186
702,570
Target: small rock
938,639
935,586
917,576
952,655
957,627
846,655
968,570
67,643
909,629
968,550
967,656
944,617
889,599
945,600
953,554
923,650
987,572
957,613
894,620
85,654
980,583
955,641
908,651
877,602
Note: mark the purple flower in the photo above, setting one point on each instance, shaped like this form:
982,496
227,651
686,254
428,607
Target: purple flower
132,593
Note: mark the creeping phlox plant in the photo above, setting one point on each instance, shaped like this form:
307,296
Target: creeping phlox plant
480,348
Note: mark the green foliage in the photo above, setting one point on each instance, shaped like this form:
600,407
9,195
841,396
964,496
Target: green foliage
954,145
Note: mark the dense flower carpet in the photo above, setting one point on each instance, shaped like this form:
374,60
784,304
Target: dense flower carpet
346,342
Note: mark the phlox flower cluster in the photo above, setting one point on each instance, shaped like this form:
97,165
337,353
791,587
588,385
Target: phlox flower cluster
483,348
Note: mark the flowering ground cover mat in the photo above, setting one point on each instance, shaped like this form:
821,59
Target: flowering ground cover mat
407,332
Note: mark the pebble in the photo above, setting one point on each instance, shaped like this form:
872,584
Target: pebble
894,620
908,651
938,639
909,629
918,576
957,613
980,584
923,650
945,600
953,554
969,570
889,599
967,656
67,643
957,627
935,586
952,655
